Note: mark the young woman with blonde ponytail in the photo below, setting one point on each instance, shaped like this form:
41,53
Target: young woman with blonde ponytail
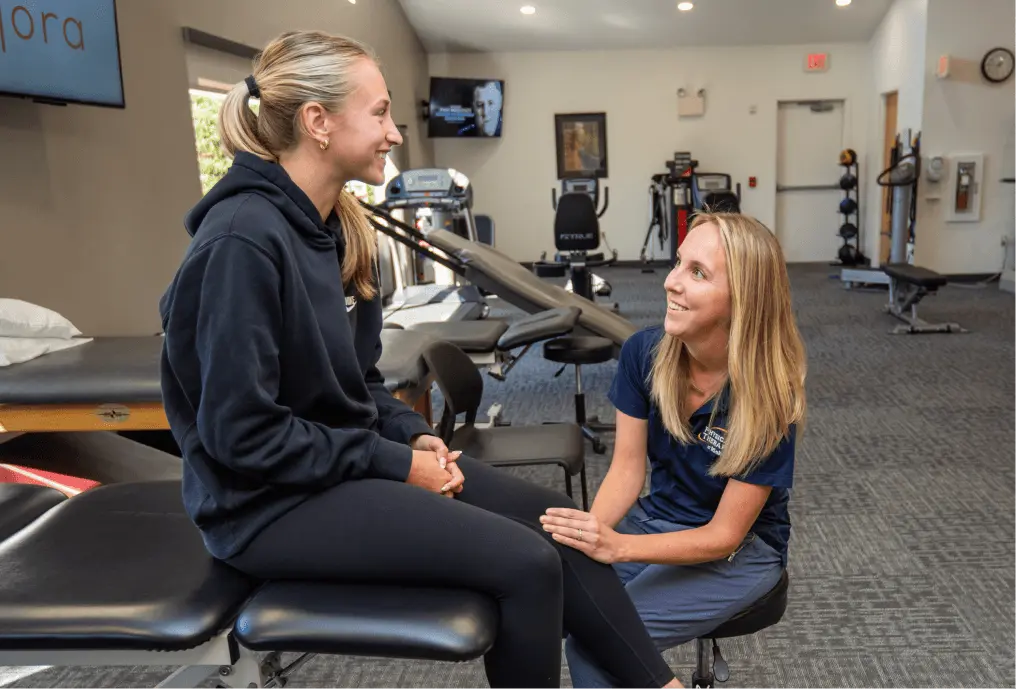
298,464
713,398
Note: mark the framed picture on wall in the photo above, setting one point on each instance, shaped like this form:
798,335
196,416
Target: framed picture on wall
581,145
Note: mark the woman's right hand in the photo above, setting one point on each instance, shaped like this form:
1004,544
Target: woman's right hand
427,473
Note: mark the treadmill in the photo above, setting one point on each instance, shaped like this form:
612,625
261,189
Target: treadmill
434,198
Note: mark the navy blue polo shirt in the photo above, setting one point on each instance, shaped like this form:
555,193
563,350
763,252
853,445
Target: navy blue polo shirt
681,489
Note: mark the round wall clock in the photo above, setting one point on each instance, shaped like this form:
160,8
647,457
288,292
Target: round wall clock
997,65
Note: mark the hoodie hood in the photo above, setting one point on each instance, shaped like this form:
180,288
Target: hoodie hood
250,174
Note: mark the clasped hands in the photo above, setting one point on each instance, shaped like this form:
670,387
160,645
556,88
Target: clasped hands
434,466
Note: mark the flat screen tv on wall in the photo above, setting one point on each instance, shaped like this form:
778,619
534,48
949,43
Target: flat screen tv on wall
465,108
61,51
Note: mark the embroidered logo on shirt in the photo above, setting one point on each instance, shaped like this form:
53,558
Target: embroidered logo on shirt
712,438
350,303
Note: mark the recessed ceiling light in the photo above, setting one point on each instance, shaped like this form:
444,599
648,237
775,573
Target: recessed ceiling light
684,6
528,9
842,3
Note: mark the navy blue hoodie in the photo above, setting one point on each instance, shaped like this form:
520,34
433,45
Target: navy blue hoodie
269,373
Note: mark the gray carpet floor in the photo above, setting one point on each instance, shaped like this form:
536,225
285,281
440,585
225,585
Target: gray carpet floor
902,552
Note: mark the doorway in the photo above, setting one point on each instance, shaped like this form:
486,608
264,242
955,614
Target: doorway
809,140
885,244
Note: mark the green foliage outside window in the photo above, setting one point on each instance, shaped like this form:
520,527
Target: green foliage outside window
212,160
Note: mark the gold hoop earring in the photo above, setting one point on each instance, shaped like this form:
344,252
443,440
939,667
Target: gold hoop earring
324,144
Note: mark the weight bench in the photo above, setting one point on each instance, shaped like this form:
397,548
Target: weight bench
908,285
118,575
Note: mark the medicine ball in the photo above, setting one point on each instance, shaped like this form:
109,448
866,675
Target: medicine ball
848,230
848,206
848,157
848,255
848,182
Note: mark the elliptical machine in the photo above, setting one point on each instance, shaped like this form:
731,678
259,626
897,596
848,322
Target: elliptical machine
576,234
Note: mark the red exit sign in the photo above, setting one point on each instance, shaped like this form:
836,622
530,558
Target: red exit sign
817,62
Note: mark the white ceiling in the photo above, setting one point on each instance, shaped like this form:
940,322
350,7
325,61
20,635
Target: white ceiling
499,26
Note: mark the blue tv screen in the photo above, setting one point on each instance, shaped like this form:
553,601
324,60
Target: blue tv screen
65,51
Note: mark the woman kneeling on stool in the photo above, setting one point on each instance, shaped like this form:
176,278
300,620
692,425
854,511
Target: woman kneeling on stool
714,397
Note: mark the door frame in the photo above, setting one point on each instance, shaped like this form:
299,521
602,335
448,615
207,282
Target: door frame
890,124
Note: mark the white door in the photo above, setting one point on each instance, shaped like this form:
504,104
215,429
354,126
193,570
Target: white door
809,141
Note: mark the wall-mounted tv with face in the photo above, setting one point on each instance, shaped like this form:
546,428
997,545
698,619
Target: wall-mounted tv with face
465,108
61,51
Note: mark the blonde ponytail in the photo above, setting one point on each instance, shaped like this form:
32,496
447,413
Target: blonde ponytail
361,246
238,125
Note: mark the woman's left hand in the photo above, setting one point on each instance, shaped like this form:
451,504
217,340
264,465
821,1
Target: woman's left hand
582,531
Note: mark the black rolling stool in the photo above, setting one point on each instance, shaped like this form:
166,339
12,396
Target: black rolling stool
579,350
765,612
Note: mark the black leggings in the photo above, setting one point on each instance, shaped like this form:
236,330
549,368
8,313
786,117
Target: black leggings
489,539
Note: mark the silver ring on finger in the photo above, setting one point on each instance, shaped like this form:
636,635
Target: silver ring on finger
580,534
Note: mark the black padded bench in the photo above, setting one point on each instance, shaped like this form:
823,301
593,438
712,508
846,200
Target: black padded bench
23,503
908,285
119,576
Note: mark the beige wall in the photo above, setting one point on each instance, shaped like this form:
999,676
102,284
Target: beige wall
92,199
514,176
966,114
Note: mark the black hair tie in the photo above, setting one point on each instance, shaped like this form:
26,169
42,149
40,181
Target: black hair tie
252,87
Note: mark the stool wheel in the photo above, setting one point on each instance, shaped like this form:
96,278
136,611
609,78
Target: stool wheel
579,349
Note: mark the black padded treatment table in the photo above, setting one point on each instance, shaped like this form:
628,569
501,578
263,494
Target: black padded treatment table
108,384
95,411
118,575
113,384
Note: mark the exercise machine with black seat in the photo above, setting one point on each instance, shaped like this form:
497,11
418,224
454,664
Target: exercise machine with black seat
674,198
431,198
577,237
908,284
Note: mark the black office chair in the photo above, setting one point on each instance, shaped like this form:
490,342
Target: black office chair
765,612
461,384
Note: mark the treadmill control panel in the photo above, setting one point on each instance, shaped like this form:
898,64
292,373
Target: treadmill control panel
429,188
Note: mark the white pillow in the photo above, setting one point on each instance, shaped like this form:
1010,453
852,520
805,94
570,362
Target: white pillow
22,319
17,350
